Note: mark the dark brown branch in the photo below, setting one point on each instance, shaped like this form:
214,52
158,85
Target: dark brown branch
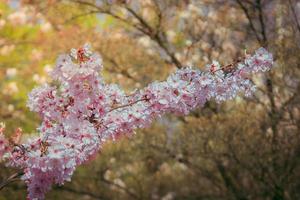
230,185
159,14
126,190
262,22
140,19
11,179
127,105
81,15
108,12
252,27
118,69
142,26
294,15
156,36
80,192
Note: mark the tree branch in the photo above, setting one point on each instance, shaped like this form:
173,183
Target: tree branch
142,26
80,192
252,27
294,15
11,179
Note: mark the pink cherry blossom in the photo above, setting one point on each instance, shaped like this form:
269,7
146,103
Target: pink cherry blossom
83,112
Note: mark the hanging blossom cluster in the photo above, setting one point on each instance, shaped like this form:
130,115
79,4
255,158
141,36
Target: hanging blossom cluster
81,112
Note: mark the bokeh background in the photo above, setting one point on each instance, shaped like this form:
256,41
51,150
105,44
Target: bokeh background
247,148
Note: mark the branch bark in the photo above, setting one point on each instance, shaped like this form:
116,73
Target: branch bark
11,179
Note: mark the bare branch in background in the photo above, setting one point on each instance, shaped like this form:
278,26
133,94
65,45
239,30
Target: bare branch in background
294,13
143,27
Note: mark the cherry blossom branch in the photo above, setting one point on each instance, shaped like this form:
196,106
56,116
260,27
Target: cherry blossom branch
226,68
127,105
78,117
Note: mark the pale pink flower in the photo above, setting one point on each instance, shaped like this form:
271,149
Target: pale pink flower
83,112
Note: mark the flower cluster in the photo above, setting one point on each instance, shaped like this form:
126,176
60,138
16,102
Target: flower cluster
82,112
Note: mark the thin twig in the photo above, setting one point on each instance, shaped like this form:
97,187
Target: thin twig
127,105
295,15
11,179
246,12
81,15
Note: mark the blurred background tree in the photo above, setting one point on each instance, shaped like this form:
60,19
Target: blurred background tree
242,149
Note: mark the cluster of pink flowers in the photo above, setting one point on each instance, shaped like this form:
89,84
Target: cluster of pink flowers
81,112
